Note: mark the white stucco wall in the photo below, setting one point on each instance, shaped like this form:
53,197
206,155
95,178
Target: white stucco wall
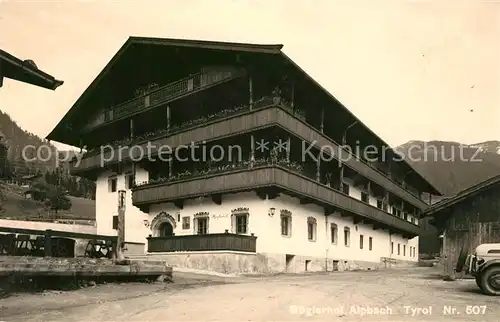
107,207
266,228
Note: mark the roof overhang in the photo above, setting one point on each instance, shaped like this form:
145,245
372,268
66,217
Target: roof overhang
439,207
63,126
25,71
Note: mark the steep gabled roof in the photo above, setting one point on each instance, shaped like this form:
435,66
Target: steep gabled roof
132,40
463,195
225,46
25,71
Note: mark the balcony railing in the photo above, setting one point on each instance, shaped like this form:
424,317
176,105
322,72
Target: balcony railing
283,176
165,94
208,242
245,121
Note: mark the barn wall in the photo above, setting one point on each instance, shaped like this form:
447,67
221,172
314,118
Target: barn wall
470,223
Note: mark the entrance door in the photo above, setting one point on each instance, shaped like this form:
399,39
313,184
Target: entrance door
166,230
289,262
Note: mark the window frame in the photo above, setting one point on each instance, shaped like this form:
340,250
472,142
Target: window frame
313,226
334,229
347,236
186,222
286,216
112,180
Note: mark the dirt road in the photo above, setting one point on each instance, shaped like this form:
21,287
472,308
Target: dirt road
399,295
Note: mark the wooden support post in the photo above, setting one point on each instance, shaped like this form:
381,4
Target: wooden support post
47,245
341,186
131,128
170,163
133,174
318,170
121,225
322,125
252,150
168,118
288,149
250,92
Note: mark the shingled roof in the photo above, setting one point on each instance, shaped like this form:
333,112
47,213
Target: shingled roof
462,195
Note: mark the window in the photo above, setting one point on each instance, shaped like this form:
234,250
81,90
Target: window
394,210
115,222
364,197
399,249
311,229
347,236
129,181
404,250
370,243
241,223
286,225
405,215
333,233
392,247
360,241
379,204
112,184
385,206
185,223
345,189
201,225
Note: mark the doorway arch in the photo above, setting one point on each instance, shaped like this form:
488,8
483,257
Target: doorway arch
163,225
165,229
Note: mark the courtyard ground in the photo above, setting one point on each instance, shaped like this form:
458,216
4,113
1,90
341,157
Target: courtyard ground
415,294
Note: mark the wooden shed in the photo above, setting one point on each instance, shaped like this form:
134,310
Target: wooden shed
469,219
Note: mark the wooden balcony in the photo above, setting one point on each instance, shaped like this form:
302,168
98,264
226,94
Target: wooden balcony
271,177
208,242
244,123
160,96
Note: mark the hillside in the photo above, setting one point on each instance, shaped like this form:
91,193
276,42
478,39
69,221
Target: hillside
452,166
17,165
16,206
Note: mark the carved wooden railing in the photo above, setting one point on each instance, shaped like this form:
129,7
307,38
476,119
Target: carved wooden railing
285,177
167,93
208,242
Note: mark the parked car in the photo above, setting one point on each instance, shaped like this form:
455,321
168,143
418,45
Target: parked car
484,265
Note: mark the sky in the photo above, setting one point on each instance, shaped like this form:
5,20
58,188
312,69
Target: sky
410,70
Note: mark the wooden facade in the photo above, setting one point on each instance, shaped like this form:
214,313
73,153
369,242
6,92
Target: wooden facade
207,242
468,220
269,177
220,93
246,122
